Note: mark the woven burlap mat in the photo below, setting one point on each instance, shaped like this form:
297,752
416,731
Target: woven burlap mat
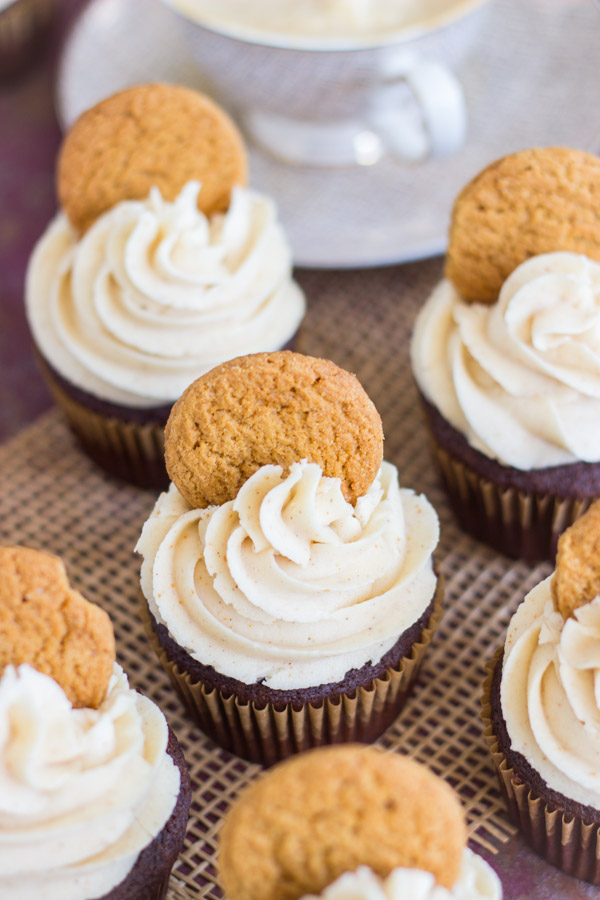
52,497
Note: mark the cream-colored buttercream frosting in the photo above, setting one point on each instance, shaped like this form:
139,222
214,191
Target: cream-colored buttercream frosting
550,693
520,378
289,583
155,293
477,881
82,791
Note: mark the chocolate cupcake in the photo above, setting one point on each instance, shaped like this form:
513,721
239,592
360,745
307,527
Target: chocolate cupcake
350,822
293,607
160,265
541,710
504,352
95,792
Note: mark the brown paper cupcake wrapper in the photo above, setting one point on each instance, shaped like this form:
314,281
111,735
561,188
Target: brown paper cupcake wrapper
561,838
157,891
270,733
518,523
22,27
130,450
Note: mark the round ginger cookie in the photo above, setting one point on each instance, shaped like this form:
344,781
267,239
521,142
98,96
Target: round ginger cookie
576,580
535,201
271,408
152,135
50,626
325,812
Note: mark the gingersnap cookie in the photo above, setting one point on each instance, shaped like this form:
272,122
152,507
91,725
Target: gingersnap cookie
322,813
152,135
531,202
576,579
45,623
271,408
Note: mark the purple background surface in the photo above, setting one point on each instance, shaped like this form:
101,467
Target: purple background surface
29,139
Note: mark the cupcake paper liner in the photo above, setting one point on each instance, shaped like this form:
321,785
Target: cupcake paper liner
132,451
159,891
563,839
518,523
266,734
156,891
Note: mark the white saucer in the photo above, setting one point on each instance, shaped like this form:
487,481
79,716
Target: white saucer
533,79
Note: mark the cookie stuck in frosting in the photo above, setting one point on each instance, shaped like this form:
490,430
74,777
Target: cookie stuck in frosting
271,409
576,580
548,702
309,820
289,585
519,378
156,293
150,135
531,202
53,628
94,802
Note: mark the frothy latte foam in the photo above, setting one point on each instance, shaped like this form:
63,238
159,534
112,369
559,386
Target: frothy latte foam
334,19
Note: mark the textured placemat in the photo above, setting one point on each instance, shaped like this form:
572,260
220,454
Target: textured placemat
52,497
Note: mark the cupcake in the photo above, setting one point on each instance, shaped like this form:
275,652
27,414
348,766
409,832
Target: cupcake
505,351
159,265
345,823
542,710
94,791
288,582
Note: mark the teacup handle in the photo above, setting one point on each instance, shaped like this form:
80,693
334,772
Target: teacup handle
435,125
416,109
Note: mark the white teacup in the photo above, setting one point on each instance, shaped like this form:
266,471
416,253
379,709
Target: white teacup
322,101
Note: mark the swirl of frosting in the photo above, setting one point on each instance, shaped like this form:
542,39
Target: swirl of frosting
82,791
155,293
520,378
550,693
477,881
289,583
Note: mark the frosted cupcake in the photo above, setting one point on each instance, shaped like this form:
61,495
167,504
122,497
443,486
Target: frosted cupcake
288,580
95,791
505,352
160,265
350,823
541,707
